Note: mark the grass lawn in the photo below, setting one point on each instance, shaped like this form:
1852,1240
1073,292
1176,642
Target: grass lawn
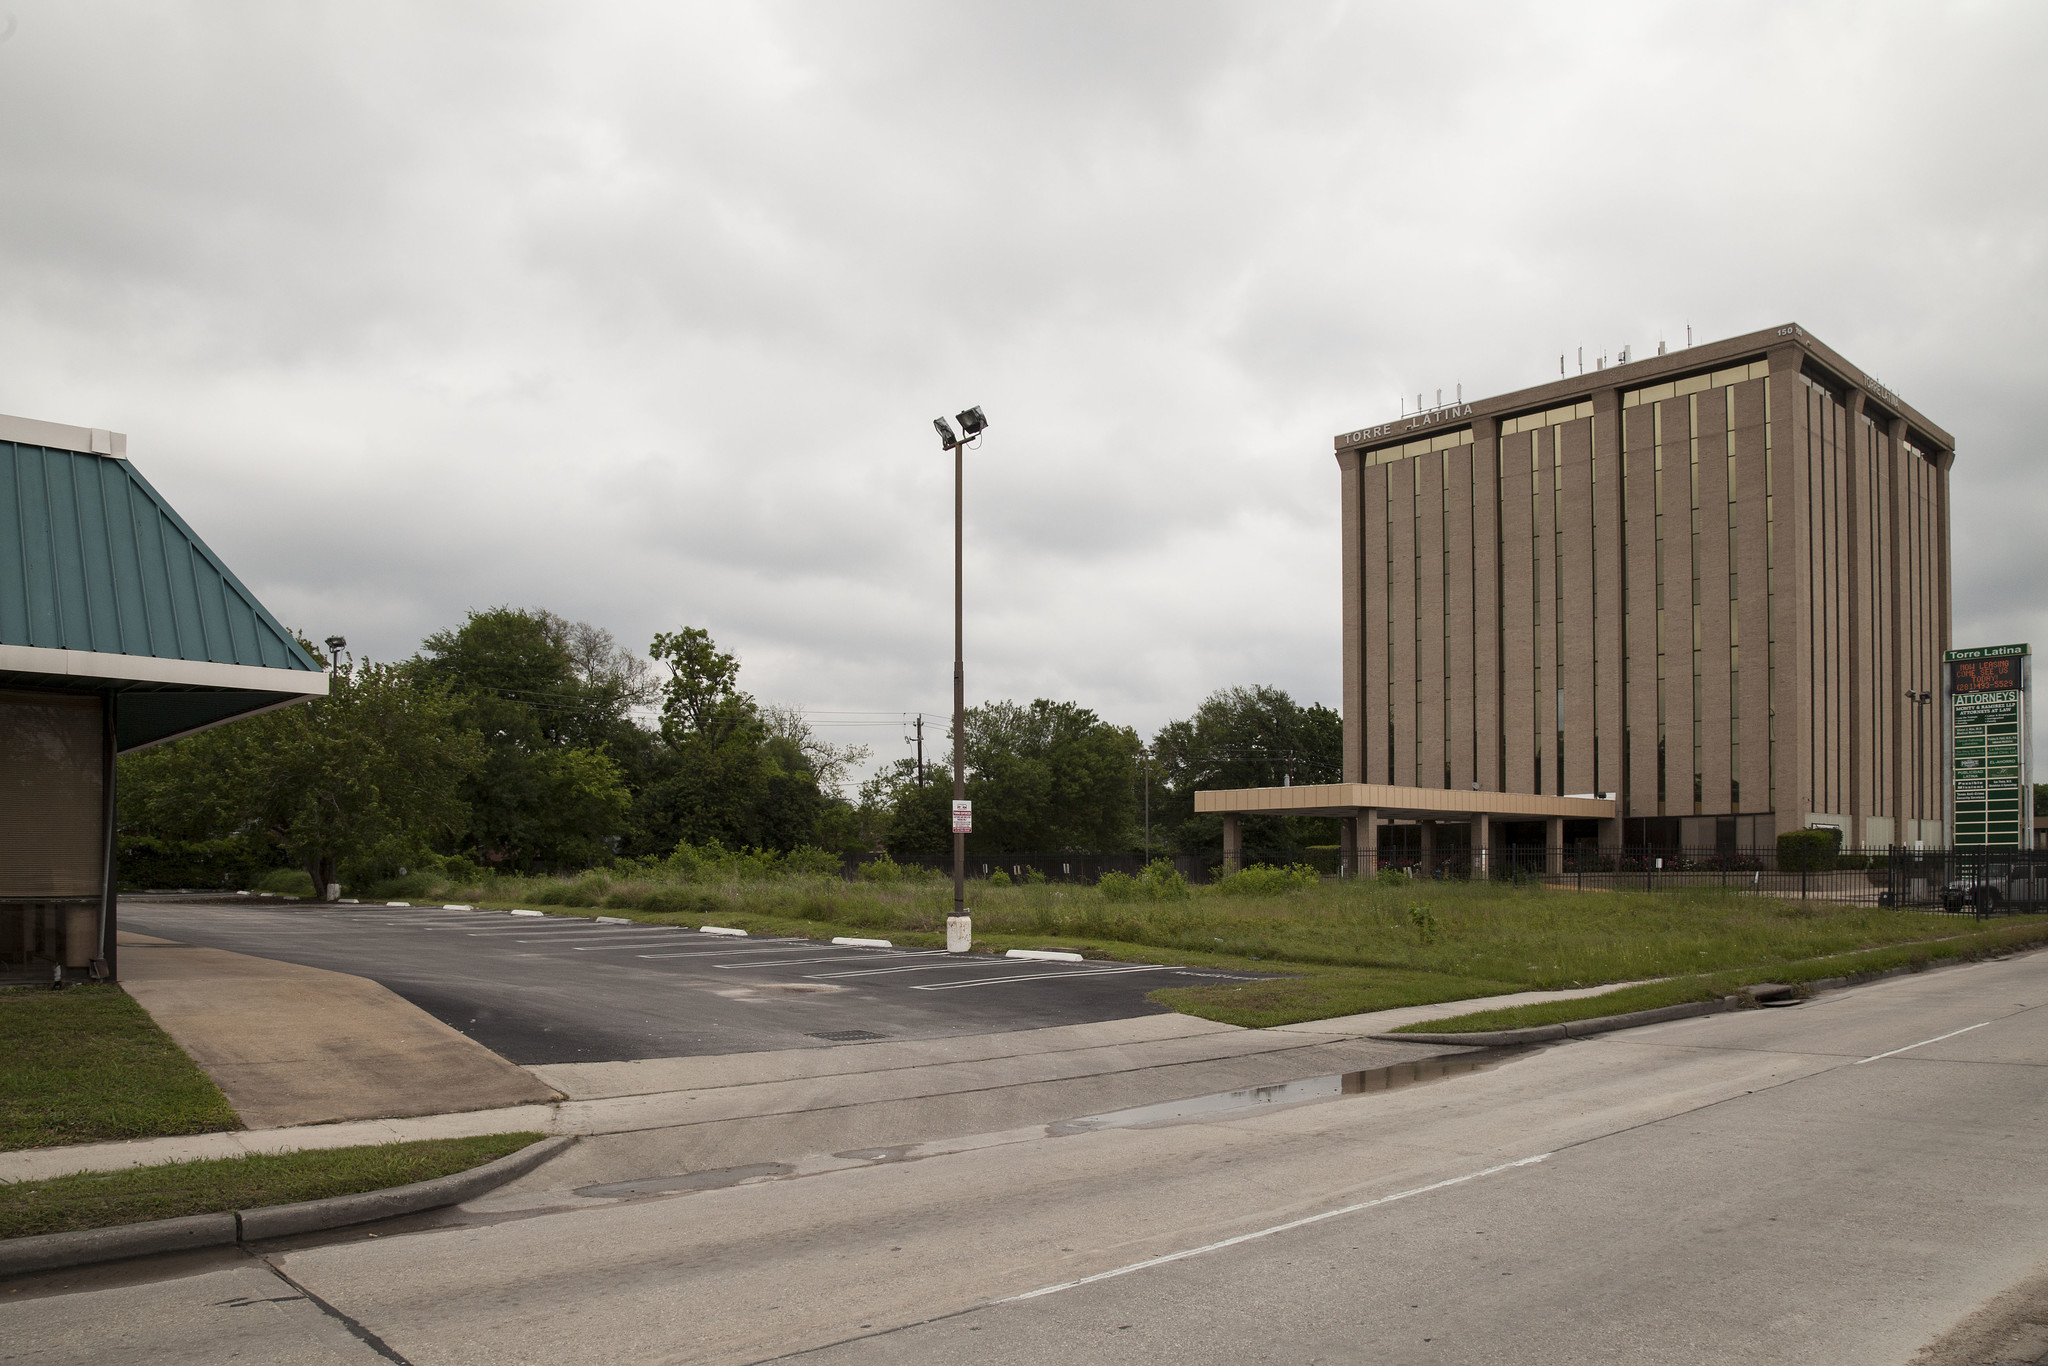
1346,947
100,1199
87,1063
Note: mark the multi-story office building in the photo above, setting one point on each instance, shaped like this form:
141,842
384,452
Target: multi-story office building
1713,584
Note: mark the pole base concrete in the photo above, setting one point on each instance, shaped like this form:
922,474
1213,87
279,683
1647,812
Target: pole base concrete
959,933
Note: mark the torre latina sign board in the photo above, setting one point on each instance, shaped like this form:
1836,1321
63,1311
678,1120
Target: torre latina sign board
1990,793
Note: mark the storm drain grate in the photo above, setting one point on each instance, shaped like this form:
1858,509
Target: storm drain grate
846,1035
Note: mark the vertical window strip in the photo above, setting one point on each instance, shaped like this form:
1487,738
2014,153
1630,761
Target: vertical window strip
1692,434
1770,607
1734,614
1536,603
1557,587
1593,564
1657,540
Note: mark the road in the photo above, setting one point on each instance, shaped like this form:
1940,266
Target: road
564,989
1838,1182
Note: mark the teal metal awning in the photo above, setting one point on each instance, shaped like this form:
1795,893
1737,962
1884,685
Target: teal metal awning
106,589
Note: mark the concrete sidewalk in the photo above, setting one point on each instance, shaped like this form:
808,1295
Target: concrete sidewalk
293,1045
699,1113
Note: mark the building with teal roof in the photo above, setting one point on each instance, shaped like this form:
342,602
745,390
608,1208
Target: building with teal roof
119,629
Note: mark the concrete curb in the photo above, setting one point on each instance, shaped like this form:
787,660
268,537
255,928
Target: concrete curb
1571,1029
278,1221
55,1251
51,1251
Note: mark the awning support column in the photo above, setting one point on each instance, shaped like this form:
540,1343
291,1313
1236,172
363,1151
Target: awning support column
1347,846
1481,837
1233,842
1428,829
1368,843
1553,843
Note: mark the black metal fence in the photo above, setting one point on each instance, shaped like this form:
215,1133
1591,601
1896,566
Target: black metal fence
1089,868
1957,881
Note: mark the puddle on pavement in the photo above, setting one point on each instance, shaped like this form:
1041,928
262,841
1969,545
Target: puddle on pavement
716,1179
1223,1103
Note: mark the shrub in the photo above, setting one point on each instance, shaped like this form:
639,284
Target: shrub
1263,879
1424,921
1163,882
1391,877
1809,851
807,861
1034,877
999,878
1118,887
881,868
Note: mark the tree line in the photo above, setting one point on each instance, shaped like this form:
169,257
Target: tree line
523,742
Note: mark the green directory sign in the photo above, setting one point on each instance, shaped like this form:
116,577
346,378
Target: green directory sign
1990,795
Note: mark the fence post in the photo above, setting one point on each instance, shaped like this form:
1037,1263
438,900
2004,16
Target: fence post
1802,874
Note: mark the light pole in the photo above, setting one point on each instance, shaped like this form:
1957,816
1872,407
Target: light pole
959,925
1921,700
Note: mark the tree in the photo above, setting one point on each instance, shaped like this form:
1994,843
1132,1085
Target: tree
723,769
550,699
1245,737
1045,777
377,762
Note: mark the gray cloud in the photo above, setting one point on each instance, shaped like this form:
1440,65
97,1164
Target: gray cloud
640,313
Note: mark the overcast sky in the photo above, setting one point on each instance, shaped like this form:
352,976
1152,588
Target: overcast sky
641,314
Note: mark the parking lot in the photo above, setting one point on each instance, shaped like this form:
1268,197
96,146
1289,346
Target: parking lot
565,989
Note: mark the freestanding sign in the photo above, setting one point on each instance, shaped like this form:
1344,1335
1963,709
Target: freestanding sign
1990,749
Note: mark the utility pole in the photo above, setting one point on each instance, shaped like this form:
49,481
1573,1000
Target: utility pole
920,749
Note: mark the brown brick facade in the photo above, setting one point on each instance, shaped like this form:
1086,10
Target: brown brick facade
1504,558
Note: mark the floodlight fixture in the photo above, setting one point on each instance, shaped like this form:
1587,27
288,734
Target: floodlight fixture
972,422
336,643
947,441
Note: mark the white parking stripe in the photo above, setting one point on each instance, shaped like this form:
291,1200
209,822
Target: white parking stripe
1035,977
705,953
876,972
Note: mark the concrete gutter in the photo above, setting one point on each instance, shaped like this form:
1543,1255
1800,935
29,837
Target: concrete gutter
54,1251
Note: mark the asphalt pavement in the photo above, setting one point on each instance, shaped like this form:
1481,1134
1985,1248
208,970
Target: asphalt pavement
560,989
1842,1181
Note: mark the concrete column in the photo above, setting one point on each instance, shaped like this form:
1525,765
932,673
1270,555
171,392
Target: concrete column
1233,843
1347,846
1553,841
1368,843
1610,836
1481,837
1428,829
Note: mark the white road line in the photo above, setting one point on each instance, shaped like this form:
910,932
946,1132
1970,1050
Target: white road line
1036,977
1922,1044
1269,1232
786,963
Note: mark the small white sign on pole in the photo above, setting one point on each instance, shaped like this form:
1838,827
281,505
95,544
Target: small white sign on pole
963,818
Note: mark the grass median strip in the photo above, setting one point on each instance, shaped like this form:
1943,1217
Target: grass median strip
63,1204
1712,986
87,1064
